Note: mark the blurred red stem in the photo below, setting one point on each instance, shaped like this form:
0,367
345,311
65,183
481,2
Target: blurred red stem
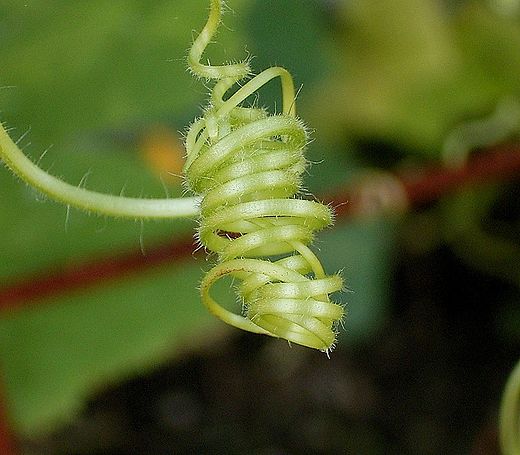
7,441
499,164
84,275
419,187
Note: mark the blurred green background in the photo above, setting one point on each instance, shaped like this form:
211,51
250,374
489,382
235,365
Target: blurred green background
385,85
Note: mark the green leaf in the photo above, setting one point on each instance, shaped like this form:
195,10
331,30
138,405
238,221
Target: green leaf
91,78
88,74
407,72
56,354
364,251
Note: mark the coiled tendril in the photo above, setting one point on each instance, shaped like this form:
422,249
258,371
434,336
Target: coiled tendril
247,166
510,414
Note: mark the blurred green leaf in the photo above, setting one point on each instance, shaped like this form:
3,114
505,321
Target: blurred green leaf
84,74
101,64
365,253
408,71
56,354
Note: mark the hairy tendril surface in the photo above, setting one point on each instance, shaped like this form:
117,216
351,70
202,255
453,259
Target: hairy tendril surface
247,165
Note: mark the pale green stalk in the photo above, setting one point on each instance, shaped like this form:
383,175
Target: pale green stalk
510,415
247,166
90,201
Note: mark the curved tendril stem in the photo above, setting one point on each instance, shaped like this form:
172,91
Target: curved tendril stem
247,165
288,93
91,201
239,70
510,415
197,136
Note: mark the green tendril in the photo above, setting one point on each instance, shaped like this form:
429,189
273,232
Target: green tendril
245,167
510,415
90,201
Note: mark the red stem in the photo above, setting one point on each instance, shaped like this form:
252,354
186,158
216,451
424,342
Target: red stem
419,187
8,444
84,275
499,164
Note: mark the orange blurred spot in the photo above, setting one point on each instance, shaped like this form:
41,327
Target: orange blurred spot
163,151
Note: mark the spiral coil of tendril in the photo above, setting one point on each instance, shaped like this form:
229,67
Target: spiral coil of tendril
247,166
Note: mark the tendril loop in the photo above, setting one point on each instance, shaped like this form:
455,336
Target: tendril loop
247,165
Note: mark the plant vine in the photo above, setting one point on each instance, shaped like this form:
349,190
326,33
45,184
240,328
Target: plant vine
510,415
245,167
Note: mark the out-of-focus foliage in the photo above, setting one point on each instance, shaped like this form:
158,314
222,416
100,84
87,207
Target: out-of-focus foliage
93,79
408,71
53,356
429,80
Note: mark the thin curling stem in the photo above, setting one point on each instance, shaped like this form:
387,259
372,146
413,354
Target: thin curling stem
90,201
247,167
510,415
237,70
288,94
